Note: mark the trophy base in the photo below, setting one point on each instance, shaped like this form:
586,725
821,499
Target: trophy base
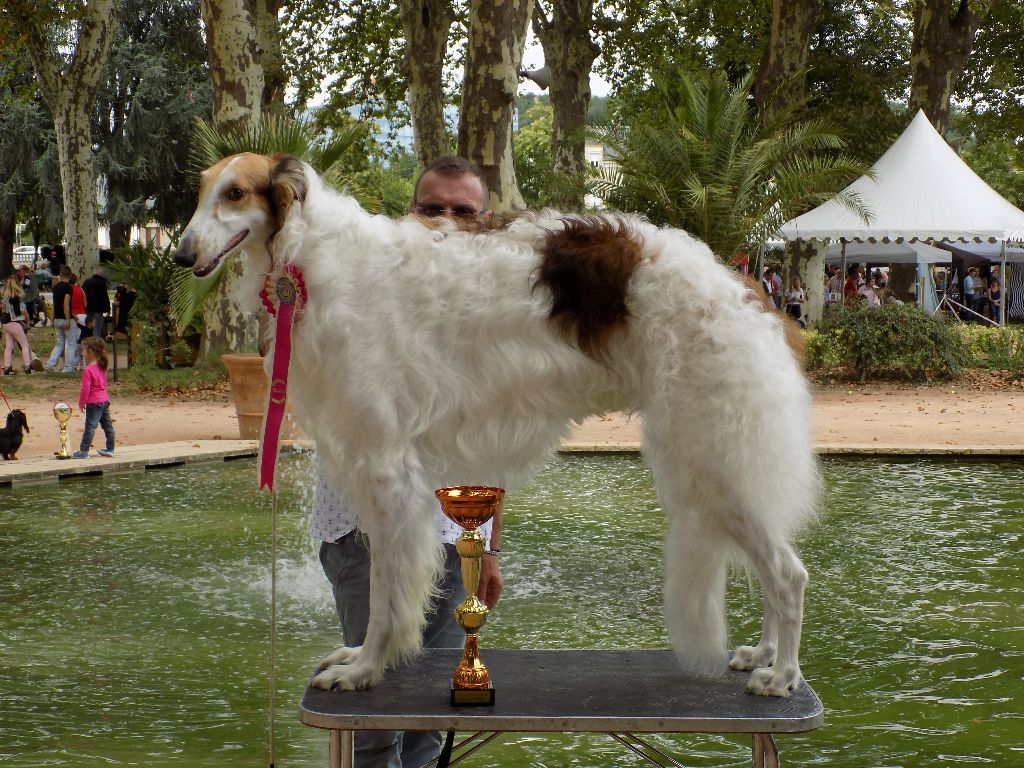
472,697
58,456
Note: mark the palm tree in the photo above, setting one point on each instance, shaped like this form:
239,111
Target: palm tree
274,134
705,160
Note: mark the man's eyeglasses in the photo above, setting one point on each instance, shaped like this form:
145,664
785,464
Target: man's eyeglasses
433,211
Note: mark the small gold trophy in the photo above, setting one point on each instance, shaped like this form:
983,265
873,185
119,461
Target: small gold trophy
62,413
470,506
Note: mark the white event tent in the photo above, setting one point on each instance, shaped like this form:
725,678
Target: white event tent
921,194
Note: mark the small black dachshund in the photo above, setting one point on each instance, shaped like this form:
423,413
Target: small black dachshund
10,436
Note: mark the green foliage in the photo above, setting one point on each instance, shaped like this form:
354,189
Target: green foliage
156,84
352,52
823,351
706,161
990,93
391,184
1000,349
998,160
640,41
532,147
150,378
149,271
29,180
892,340
276,134
859,72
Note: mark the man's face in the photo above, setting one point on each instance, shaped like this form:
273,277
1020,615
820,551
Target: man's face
458,198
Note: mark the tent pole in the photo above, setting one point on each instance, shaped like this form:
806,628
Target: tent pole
842,275
1002,284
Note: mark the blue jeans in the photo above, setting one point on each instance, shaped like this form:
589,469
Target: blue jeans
97,320
67,345
346,563
97,413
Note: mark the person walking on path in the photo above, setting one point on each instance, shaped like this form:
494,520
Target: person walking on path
93,400
30,287
14,319
64,324
97,301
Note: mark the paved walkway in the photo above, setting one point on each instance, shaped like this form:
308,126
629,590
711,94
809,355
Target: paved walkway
132,458
615,433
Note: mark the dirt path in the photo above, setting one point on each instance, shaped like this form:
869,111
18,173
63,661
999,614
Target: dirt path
976,412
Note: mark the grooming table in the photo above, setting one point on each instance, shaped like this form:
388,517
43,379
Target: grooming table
620,693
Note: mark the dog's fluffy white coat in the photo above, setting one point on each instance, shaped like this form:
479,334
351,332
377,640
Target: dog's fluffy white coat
425,358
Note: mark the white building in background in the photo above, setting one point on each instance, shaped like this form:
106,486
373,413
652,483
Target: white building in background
151,234
599,158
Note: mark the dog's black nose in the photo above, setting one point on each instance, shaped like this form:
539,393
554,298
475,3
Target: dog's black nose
185,256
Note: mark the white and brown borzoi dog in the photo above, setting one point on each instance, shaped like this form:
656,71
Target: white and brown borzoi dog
433,357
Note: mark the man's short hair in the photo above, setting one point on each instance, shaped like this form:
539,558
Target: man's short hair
65,270
452,166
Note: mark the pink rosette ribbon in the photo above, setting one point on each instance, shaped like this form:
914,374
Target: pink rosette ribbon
290,291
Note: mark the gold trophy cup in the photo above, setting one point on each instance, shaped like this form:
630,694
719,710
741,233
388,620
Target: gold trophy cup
470,506
62,413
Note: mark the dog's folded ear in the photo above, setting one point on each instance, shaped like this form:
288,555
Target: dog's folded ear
287,186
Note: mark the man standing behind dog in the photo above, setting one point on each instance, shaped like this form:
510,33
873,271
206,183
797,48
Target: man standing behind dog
454,189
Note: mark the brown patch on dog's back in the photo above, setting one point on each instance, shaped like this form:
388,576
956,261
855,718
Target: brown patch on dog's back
587,267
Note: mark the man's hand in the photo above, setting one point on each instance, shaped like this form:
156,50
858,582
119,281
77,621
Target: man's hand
490,581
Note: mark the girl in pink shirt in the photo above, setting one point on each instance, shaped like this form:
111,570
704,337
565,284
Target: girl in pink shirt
93,399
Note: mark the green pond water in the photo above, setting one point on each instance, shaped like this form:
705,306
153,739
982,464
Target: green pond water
134,614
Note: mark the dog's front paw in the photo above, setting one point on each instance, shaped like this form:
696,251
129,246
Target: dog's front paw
774,681
345,678
344,655
746,657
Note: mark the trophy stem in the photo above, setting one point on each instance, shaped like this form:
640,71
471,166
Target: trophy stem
64,442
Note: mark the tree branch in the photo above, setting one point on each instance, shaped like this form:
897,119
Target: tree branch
539,20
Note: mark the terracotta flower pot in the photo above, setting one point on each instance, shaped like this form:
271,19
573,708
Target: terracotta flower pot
249,387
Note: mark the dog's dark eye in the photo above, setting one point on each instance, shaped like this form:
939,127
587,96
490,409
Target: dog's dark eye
235,194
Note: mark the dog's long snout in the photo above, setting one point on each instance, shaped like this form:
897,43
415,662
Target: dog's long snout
186,255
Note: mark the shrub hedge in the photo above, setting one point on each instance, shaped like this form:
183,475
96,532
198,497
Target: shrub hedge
892,340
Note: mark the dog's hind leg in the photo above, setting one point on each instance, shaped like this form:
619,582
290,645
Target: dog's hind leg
747,657
405,558
783,580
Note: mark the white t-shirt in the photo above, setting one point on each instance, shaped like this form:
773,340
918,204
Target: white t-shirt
795,296
332,519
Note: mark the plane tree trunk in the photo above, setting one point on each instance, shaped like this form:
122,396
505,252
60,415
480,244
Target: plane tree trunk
238,90
497,35
69,88
943,38
569,53
781,76
427,25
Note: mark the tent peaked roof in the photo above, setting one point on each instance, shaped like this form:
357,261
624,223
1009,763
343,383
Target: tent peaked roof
922,190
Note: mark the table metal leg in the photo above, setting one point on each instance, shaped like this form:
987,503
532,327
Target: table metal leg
766,754
466,747
342,749
646,750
